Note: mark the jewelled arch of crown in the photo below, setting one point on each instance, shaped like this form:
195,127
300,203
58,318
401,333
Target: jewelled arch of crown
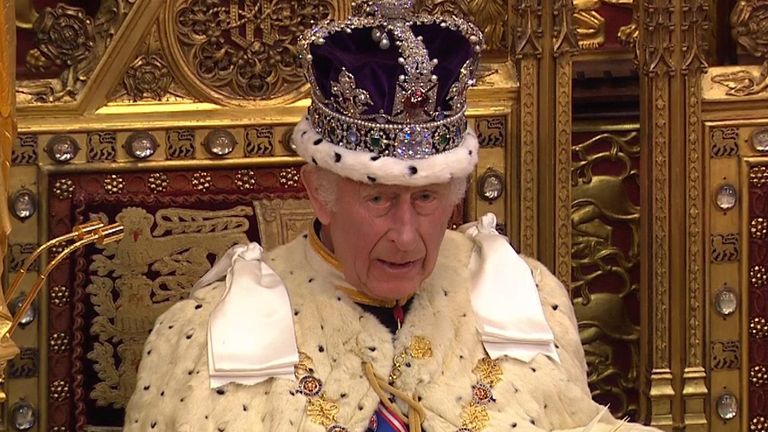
416,128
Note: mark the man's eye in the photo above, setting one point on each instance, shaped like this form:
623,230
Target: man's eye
425,197
376,200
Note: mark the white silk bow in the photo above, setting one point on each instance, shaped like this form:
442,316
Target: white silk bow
251,337
505,298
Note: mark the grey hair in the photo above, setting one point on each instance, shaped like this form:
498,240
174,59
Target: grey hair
327,181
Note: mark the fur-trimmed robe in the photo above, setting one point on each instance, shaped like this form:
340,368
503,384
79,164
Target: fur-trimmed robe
173,392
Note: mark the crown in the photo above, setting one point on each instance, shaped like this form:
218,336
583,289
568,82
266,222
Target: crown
389,84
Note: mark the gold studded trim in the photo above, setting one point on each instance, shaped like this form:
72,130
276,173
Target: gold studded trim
474,415
320,409
420,348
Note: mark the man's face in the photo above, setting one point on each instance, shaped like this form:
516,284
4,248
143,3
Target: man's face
387,237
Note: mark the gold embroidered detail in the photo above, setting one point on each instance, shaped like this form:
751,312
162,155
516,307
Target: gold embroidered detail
488,371
304,365
420,348
320,410
474,415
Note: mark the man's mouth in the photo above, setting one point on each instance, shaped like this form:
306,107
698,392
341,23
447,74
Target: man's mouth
398,266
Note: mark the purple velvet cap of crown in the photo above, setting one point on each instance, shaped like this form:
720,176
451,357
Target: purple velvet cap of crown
376,70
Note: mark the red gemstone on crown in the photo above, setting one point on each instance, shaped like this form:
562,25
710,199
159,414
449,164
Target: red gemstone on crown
415,100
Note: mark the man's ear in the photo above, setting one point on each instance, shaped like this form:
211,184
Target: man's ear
309,176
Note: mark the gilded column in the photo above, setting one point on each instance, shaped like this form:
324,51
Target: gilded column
7,133
655,59
565,45
694,37
528,36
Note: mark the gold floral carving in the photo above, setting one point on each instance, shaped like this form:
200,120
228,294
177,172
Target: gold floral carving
233,52
660,221
127,300
149,77
528,144
749,25
563,170
281,220
67,38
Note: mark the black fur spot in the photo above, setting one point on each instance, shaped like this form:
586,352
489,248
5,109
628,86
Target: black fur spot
371,179
318,141
336,157
375,157
314,161
412,170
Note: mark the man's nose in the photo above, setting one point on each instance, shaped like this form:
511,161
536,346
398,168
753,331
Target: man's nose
403,230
